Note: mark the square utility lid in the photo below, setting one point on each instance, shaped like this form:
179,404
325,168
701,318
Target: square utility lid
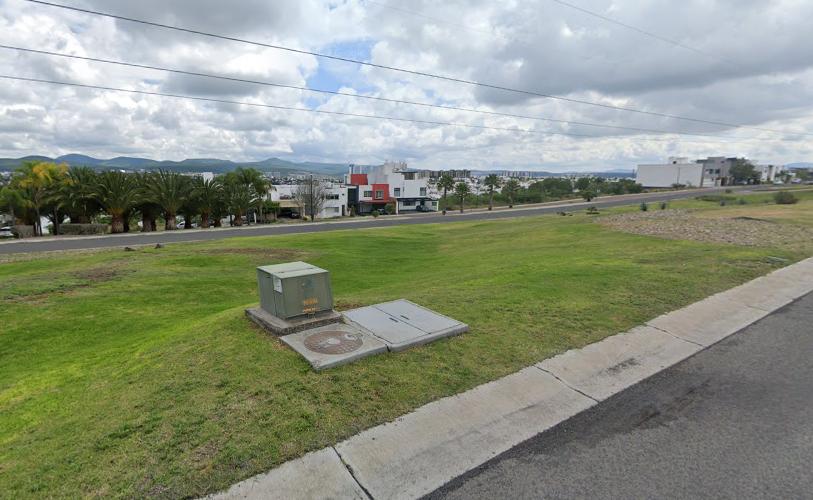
401,324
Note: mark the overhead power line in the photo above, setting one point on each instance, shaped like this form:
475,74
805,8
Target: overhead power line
322,111
347,94
411,72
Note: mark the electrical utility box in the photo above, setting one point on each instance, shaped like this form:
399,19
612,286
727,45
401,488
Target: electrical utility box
294,289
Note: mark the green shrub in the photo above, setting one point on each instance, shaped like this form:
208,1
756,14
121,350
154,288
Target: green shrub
375,213
785,198
82,229
742,201
664,205
729,191
644,207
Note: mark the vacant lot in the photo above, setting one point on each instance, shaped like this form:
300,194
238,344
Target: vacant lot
137,374
751,220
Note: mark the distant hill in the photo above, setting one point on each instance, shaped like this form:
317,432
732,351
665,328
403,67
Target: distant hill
284,167
805,165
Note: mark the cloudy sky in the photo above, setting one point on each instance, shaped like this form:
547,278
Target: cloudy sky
752,65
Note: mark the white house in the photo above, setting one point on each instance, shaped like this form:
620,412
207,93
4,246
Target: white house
335,204
390,183
677,171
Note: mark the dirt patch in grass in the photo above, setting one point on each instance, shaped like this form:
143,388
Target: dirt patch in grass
683,225
98,274
39,289
280,254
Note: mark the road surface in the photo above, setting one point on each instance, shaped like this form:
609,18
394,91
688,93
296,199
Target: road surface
733,421
132,239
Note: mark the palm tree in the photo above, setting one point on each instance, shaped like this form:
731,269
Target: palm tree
77,193
446,183
492,182
207,193
117,193
35,180
510,190
169,190
461,190
239,195
146,205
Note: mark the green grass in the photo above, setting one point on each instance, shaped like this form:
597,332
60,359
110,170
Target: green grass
131,374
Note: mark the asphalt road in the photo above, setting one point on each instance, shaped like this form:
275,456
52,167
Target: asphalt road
733,421
52,244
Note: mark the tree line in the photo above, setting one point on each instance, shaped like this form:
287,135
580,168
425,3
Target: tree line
548,189
82,195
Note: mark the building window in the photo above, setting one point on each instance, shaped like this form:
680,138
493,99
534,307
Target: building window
332,197
397,192
423,192
379,195
368,194
409,203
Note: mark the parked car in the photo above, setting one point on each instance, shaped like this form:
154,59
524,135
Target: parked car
5,232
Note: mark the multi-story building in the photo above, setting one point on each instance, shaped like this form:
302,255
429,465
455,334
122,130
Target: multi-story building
334,204
676,171
373,188
716,170
709,172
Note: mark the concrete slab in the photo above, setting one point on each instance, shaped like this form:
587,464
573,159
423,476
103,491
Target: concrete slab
423,450
402,324
708,321
418,316
317,475
766,293
279,326
391,330
615,363
333,345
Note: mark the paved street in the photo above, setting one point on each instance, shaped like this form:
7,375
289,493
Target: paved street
734,421
33,245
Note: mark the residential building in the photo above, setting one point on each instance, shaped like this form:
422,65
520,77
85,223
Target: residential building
334,205
373,188
677,170
457,175
768,173
716,170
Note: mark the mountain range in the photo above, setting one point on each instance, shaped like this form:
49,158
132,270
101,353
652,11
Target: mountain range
284,167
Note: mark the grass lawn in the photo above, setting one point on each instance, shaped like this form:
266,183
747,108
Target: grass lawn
137,374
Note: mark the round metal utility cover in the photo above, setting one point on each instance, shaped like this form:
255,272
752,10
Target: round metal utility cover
333,342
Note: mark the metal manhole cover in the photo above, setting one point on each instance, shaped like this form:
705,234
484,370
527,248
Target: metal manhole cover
333,342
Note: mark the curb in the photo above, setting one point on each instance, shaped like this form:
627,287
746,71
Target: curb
423,450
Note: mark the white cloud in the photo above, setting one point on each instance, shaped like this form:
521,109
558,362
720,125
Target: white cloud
760,75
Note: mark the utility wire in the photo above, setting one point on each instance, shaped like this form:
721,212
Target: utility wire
348,94
412,72
321,111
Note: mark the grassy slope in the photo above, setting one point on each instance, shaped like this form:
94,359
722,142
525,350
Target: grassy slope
151,382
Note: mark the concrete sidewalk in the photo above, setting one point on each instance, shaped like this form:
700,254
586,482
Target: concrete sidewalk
421,451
